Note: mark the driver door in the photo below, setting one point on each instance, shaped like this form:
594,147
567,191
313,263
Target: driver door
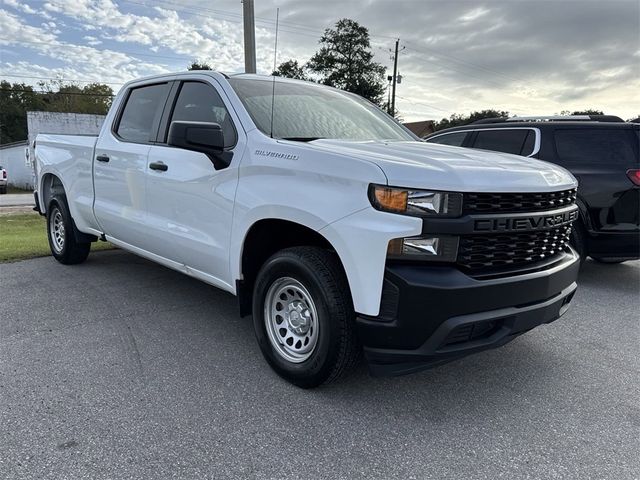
189,202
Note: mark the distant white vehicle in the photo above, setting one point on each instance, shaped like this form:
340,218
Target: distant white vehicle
4,180
336,227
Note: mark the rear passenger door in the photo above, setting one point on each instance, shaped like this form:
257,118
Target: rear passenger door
121,163
190,203
600,157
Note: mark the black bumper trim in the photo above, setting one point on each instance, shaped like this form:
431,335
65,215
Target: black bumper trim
436,305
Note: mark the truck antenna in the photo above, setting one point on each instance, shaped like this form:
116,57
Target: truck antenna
275,58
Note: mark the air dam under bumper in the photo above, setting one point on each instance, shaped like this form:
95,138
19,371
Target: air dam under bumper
435,314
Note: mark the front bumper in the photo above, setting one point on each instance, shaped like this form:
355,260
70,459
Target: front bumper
434,314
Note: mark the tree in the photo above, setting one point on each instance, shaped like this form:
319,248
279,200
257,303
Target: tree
199,65
291,69
588,111
456,119
56,96
345,61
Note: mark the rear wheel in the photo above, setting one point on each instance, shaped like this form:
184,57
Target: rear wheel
303,316
3,189
61,232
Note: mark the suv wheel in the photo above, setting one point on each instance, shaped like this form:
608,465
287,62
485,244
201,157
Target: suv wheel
61,232
303,316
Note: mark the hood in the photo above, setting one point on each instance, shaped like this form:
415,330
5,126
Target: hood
442,167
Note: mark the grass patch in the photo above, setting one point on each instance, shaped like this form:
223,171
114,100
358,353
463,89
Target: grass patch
24,236
12,189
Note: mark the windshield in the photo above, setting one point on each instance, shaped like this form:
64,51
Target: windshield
307,111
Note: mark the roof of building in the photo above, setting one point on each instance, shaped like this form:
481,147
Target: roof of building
422,128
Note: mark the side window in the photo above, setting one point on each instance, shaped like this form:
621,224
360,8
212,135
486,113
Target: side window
142,110
591,145
199,102
453,139
501,140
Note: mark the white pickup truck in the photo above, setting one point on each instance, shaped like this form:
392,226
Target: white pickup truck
338,230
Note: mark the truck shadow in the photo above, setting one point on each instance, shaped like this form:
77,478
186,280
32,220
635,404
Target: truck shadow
213,342
624,277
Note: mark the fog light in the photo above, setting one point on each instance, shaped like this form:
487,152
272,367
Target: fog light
442,248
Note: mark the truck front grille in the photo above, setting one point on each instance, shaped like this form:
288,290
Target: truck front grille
505,250
477,203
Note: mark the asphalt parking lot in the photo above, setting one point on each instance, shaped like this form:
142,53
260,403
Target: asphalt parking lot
119,368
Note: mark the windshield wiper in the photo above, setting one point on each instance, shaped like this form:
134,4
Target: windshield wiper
301,139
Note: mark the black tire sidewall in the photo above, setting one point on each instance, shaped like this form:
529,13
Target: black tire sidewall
58,205
319,366
73,252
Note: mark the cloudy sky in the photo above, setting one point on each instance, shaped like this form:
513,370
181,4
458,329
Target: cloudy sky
526,56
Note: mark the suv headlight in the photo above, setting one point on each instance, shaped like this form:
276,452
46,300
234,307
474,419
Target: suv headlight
417,203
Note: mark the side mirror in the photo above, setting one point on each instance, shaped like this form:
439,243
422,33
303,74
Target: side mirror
201,137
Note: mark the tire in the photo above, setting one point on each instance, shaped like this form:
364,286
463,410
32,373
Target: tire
578,240
61,232
3,190
324,344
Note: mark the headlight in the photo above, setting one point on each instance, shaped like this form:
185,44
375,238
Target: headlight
441,248
418,203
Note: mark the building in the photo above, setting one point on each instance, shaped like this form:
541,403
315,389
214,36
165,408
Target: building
14,159
421,129
17,158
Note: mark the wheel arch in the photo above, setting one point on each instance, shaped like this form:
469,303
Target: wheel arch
266,237
50,185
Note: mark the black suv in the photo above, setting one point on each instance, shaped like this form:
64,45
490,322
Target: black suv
601,151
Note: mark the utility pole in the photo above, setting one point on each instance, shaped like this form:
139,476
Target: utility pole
393,85
395,79
250,36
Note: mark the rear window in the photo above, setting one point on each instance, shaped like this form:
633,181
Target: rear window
141,112
596,146
505,140
454,139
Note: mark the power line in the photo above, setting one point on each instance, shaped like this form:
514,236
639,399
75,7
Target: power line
62,79
140,54
237,18
16,90
451,58
423,104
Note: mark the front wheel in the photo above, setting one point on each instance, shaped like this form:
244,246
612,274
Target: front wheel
303,316
61,234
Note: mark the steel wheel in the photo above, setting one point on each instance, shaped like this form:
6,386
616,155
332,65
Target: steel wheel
57,230
291,320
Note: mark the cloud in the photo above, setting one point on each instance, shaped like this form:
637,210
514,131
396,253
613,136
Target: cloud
80,61
526,56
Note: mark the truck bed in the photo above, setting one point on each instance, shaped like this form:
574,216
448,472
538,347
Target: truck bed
71,156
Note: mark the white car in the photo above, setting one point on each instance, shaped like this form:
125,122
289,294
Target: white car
338,230
4,180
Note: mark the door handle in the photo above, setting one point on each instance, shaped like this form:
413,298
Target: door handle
102,158
163,167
